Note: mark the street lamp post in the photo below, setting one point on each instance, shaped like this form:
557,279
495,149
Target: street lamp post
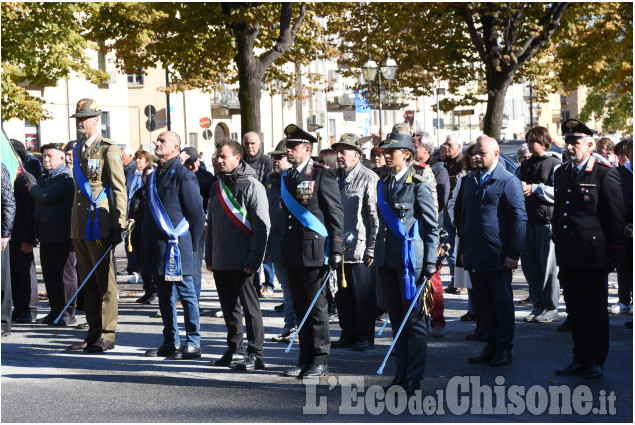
387,68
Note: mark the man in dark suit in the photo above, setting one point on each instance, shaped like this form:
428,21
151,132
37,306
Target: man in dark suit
492,241
23,277
309,189
173,226
588,230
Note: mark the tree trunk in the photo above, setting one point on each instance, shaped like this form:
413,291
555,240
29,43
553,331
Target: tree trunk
249,94
497,86
249,80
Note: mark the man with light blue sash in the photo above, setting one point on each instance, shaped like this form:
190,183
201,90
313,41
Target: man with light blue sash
98,215
313,242
174,224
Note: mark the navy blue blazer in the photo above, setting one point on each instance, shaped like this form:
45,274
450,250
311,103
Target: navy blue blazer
180,195
494,221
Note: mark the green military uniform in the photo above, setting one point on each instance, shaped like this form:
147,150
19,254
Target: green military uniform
102,166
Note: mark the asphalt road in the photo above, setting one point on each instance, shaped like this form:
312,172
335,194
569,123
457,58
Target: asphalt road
41,382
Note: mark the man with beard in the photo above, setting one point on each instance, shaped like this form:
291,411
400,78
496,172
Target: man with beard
238,227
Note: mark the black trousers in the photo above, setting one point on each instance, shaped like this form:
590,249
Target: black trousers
411,347
23,281
5,278
60,275
315,341
357,303
494,302
585,294
625,274
236,288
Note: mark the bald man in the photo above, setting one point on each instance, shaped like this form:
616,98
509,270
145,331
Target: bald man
263,165
493,239
172,228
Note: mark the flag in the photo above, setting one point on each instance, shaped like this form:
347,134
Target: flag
9,158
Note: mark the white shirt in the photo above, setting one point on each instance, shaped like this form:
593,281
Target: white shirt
300,167
398,176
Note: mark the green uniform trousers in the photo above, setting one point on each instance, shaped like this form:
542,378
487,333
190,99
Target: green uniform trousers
100,291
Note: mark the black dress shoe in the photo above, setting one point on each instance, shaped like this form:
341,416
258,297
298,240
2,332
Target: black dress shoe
477,335
100,346
363,346
593,371
342,343
468,317
503,357
228,359
251,362
142,299
24,318
574,368
46,320
279,308
486,355
163,351
395,381
410,386
65,321
316,371
187,352
297,371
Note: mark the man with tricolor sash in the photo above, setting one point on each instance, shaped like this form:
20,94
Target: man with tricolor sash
98,215
173,223
237,230
313,243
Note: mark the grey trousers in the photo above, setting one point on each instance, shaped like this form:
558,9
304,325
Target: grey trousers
539,267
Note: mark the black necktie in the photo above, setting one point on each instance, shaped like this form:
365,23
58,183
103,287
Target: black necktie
574,172
293,173
342,181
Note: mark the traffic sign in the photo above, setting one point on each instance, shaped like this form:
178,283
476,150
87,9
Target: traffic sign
409,116
204,122
151,124
464,112
207,134
150,111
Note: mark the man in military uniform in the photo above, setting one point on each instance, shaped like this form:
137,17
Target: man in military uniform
313,241
588,230
98,216
356,299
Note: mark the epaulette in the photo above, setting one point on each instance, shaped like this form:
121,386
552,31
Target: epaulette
420,165
418,177
108,141
318,164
